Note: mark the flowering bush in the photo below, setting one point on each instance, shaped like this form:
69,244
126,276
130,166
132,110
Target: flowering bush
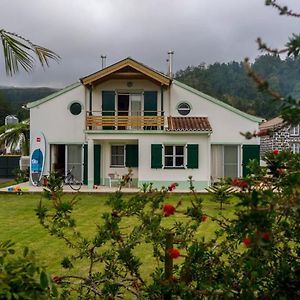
255,254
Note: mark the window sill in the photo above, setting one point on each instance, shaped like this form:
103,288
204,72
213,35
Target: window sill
178,168
117,166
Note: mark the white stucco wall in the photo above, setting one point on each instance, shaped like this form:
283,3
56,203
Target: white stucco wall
226,124
54,120
145,173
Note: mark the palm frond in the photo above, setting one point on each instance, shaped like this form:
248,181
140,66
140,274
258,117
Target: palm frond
14,135
17,52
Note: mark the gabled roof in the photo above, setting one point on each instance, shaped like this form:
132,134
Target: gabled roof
218,102
189,124
126,69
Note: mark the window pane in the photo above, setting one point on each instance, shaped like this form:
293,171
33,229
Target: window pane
230,161
168,150
230,155
169,161
184,109
230,171
179,161
179,150
75,160
117,155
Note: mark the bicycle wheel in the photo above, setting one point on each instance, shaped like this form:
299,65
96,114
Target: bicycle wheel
75,185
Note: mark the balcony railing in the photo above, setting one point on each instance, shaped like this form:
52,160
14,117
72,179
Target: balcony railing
145,120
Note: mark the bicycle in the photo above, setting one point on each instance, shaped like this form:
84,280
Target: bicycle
70,180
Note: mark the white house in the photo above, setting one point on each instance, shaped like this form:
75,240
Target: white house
129,115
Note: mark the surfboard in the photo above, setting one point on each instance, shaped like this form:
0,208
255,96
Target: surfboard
37,158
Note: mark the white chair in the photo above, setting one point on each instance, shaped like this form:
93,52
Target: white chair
113,177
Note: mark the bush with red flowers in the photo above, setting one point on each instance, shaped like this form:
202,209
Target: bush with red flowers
174,253
262,239
168,210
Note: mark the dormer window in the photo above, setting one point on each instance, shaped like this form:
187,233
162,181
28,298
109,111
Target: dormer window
183,108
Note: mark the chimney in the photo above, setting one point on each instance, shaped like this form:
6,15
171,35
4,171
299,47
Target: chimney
170,61
103,60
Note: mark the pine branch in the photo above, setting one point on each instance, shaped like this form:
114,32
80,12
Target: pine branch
283,10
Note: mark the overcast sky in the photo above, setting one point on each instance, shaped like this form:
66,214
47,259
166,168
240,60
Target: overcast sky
197,30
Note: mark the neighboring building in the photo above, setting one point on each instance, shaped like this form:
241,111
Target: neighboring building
129,115
281,137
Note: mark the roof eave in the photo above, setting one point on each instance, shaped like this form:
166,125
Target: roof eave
160,78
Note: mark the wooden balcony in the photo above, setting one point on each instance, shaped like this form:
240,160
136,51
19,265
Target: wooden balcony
106,120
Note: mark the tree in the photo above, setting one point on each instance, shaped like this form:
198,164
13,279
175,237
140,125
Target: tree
14,135
289,106
5,109
19,52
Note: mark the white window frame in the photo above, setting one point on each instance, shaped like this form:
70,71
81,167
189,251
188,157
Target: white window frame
174,156
295,130
111,156
296,148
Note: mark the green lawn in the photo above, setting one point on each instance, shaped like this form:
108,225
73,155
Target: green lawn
19,224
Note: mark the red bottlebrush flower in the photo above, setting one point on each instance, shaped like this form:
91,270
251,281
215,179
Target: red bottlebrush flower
281,170
247,242
265,236
172,187
168,209
203,218
56,279
275,151
174,253
239,183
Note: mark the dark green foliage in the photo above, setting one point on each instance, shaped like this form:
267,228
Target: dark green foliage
21,175
12,99
21,277
221,192
230,83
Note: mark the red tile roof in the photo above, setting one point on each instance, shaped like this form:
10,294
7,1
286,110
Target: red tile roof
189,124
271,123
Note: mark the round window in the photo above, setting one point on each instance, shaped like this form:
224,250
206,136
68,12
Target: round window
75,108
184,108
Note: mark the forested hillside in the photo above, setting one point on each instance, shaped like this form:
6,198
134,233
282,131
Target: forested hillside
230,83
12,99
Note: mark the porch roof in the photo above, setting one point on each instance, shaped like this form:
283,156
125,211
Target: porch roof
127,68
200,124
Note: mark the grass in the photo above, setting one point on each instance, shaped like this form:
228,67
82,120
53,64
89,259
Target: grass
7,182
19,223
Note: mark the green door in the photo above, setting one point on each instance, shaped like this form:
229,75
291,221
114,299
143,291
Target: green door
97,167
97,161
108,106
249,152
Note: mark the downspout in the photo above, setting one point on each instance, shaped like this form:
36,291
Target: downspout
170,60
90,102
162,104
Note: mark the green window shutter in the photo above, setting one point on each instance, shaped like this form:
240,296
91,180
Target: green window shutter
85,164
150,103
97,159
132,156
192,156
108,105
250,152
156,156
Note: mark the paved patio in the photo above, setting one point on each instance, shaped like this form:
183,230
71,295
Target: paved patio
26,187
